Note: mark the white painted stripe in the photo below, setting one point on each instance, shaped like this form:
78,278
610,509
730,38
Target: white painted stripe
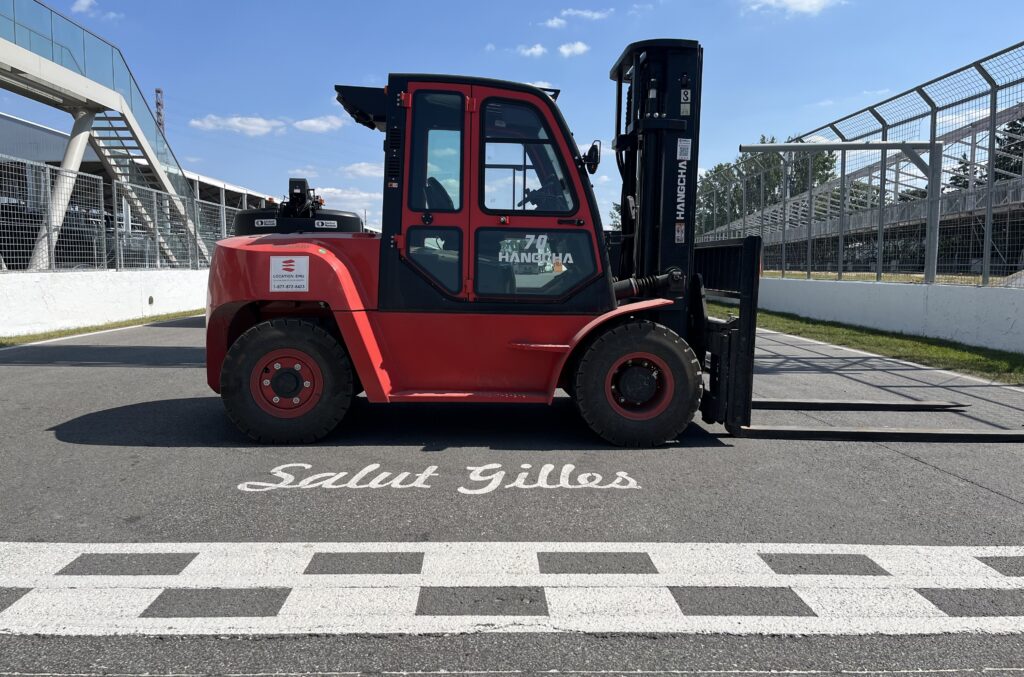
844,604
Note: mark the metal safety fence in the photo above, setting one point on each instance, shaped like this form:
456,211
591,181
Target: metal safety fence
51,219
863,214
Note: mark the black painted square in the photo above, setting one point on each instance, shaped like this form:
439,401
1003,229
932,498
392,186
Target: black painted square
482,601
365,563
9,596
967,602
128,564
1007,566
217,602
739,601
822,564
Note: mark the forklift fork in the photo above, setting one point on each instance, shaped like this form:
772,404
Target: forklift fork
729,270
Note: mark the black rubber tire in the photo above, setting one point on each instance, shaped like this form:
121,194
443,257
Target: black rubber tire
332,360
601,357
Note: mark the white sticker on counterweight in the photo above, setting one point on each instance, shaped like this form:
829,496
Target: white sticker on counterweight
266,223
683,149
289,273
332,225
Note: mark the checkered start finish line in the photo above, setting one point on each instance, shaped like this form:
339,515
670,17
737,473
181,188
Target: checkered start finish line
334,588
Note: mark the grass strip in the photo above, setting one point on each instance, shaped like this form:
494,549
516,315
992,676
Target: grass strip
6,341
998,365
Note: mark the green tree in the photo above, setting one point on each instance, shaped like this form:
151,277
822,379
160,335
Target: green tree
615,217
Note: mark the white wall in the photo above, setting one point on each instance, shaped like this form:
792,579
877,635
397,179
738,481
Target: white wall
990,317
38,302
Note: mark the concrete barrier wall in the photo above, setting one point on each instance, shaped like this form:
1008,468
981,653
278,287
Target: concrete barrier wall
38,302
990,317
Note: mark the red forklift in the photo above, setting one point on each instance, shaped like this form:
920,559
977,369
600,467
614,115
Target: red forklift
492,279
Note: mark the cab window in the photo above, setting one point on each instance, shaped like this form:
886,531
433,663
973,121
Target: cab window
522,170
435,182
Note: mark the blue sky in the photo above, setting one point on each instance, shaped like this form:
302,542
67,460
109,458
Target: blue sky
249,85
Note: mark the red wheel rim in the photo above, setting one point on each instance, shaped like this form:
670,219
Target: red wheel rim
645,408
286,383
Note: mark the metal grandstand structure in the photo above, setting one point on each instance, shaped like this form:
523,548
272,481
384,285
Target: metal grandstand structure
863,214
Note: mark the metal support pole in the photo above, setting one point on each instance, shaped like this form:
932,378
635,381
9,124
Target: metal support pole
223,214
986,257
785,207
880,238
118,254
60,194
156,230
843,211
810,211
743,198
761,229
931,254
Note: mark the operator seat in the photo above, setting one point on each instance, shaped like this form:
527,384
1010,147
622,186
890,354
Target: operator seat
436,195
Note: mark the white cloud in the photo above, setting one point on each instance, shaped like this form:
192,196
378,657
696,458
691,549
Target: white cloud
90,8
574,48
555,22
489,47
543,84
354,200
589,14
372,170
248,125
825,103
638,9
533,51
325,123
810,7
193,159
308,172
876,92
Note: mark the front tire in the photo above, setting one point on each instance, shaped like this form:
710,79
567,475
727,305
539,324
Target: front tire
638,385
286,381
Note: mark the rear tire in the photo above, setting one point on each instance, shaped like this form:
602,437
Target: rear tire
638,385
286,381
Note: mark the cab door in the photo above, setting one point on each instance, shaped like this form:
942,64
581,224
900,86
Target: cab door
532,232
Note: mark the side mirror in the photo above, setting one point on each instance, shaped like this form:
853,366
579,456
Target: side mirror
593,157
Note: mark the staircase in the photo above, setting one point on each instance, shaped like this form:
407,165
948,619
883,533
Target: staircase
124,157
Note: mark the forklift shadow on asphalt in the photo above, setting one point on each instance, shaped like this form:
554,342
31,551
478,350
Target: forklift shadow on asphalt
200,422
73,355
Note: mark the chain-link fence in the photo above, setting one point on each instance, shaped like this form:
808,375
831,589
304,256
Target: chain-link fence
863,214
52,219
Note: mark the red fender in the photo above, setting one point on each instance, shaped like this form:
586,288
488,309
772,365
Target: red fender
589,327
342,274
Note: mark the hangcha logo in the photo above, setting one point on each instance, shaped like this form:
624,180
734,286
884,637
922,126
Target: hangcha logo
288,265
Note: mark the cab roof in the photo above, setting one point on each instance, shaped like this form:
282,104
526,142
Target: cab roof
368,105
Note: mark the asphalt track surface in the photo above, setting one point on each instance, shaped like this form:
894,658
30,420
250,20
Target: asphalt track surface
113,446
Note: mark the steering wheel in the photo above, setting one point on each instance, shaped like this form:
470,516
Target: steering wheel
550,189
436,196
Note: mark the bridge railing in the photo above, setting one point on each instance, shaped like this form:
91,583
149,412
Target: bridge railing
39,29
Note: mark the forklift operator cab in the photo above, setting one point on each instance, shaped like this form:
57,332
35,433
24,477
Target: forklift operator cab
495,210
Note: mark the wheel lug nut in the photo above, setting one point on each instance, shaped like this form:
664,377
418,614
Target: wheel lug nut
276,399
298,367
277,365
266,381
306,384
295,400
